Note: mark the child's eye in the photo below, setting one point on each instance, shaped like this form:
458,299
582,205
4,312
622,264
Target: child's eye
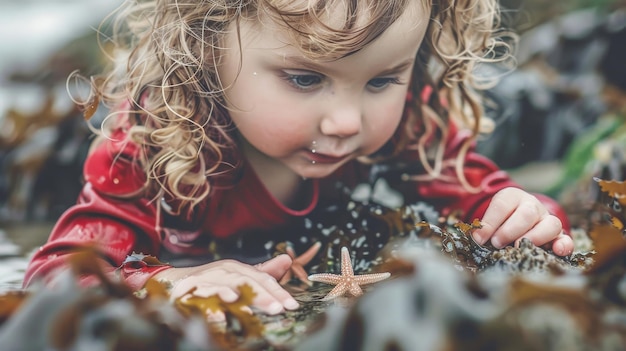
383,82
303,81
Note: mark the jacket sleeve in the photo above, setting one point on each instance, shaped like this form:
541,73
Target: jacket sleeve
115,226
482,173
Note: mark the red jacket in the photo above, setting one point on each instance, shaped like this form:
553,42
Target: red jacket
121,225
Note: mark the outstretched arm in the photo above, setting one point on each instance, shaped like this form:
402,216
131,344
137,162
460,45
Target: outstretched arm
507,212
109,216
114,229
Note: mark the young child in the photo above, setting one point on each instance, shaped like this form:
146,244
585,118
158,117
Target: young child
230,117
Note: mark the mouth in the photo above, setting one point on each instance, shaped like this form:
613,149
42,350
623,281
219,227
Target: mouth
320,158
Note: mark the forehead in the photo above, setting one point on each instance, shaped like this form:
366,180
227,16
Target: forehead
332,29
344,14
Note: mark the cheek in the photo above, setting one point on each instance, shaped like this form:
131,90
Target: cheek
388,118
261,100
384,122
274,131
268,115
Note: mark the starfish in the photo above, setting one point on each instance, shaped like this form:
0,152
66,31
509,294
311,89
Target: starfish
298,263
347,283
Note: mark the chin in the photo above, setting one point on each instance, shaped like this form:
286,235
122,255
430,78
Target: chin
315,171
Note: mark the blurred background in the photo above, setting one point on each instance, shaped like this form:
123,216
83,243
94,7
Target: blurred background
559,114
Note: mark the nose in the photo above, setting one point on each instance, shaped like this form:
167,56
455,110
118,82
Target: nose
343,119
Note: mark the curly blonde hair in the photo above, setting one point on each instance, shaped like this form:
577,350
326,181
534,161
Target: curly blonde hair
166,93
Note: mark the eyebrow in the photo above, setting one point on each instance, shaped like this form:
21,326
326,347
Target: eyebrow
302,61
398,68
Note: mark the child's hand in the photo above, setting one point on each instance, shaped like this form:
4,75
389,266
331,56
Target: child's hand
514,214
223,277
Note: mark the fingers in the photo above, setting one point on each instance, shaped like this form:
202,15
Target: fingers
549,228
271,297
225,293
514,214
526,221
500,208
182,288
268,300
276,267
224,277
563,245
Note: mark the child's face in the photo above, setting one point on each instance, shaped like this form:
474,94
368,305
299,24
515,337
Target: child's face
314,116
